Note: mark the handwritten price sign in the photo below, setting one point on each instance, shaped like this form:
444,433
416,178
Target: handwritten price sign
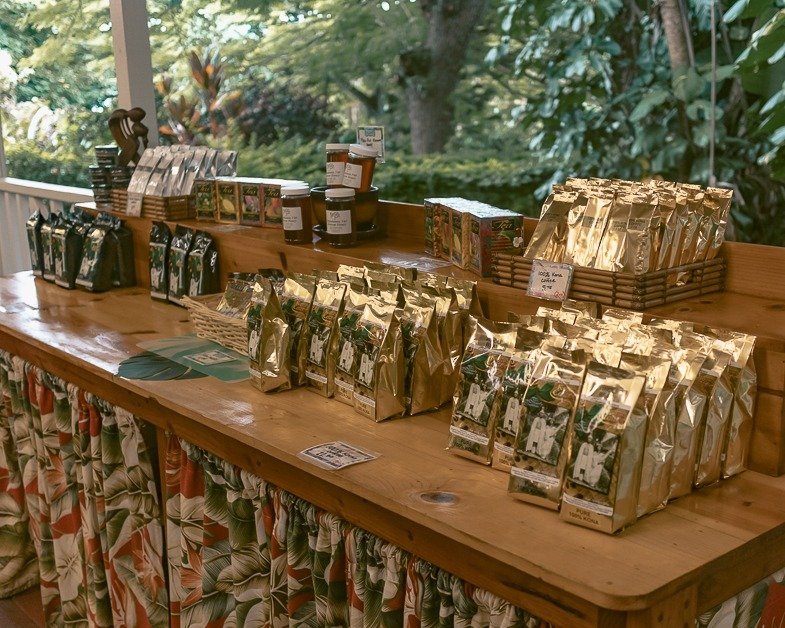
549,280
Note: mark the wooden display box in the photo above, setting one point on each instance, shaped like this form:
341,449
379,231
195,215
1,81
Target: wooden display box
633,292
158,207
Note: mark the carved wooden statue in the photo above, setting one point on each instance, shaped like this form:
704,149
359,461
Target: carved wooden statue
127,129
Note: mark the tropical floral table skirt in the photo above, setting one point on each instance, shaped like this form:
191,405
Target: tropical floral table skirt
80,510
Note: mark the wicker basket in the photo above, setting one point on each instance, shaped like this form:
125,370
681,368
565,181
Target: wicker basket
158,207
211,325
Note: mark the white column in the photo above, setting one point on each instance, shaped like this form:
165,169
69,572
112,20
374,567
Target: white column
133,60
3,164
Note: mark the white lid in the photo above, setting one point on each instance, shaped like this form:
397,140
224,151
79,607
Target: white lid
295,190
339,193
337,147
363,151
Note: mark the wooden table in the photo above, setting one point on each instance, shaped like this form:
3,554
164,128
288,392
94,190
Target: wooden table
662,571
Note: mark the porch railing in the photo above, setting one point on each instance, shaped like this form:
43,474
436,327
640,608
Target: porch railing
20,198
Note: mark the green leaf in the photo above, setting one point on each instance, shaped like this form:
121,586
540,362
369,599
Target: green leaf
778,137
151,366
653,99
736,10
777,56
688,85
775,100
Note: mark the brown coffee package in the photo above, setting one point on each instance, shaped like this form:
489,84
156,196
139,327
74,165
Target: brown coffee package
513,394
606,451
541,446
422,353
321,336
482,369
354,303
651,407
549,240
379,364
691,421
643,234
268,339
451,334
296,297
744,383
685,364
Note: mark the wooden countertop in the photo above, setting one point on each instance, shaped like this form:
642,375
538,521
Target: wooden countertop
450,511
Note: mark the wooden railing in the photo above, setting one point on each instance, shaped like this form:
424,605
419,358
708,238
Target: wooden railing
20,198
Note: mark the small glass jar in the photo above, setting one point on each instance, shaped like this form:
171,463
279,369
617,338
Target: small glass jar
358,173
341,219
337,156
297,215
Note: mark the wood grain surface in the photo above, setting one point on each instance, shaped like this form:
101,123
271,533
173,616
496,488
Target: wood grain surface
452,512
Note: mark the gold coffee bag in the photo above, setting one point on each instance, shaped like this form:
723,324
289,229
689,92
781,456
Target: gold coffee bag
651,408
354,303
268,339
721,201
296,297
612,254
422,354
589,233
513,394
321,336
691,422
541,449
482,370
606,451
549,240
379,365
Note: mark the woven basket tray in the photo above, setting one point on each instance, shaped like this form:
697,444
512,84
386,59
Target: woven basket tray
634,292
158,207
211,325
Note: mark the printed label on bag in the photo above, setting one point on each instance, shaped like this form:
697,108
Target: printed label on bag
292,218
335,172
533,476
470,436
606,511
504,449
316,377
344,385
352,176
134,205
339,221
366,400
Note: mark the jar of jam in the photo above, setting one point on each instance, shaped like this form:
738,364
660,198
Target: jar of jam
337,156
358,173
297,215
340,214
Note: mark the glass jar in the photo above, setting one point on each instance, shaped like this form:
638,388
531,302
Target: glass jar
340,214
297,215
337,156
358,173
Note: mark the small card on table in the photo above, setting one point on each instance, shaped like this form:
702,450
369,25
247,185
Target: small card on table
549,280
336,455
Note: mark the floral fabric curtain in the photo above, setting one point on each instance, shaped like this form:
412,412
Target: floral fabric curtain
762,604
245,553
91,495
18,562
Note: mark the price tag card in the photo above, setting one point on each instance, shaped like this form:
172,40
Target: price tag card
134,206
373,137
549,280
336,455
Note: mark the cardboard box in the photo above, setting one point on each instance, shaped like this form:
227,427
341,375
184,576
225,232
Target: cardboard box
228,200
204,193
490,234
251,201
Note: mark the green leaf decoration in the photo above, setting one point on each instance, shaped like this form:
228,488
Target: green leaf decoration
151,366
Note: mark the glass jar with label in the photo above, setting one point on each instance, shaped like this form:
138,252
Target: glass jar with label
358,173
340,214
297,216
337,156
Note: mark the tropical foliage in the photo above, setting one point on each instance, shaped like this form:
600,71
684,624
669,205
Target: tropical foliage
542,88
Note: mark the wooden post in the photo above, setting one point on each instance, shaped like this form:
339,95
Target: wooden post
133,60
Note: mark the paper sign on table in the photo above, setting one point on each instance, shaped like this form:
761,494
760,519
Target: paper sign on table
372,137
549,280
336,455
